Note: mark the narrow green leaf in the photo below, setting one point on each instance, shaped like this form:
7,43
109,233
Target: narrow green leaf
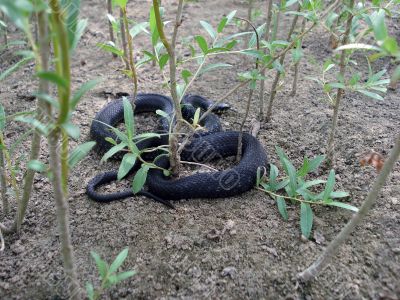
339,194
163,60
196,117
291,172
72,130
101,264
14,67
79,153
371,94
119,260
90,290
343,205
210,30
54,78
138,28
2,117
186,74
201,41
280,201
37,166
113,151
140,179
222,24
215,66
378,24
306,219
125,275
82,91
110,47
128,161
128,118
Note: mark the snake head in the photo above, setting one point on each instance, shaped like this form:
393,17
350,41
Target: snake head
221,107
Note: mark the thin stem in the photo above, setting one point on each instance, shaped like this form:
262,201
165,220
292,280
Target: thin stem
278,73
3,185
197,164
5,38
312,271
296,66
262,83
110,26
123,38
340,91
131,61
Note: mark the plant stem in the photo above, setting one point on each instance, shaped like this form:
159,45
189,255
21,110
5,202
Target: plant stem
262,83
173,141
110,27
333,247
340,91
3,184
63,216
296,66
240,138
249,12
59,161
278,73
5,32
131,61
123,38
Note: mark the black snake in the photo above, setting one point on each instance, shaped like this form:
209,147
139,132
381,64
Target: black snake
205,147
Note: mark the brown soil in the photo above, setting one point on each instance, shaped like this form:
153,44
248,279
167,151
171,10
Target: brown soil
227,248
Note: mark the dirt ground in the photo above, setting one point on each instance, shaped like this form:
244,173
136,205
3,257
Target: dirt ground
236,248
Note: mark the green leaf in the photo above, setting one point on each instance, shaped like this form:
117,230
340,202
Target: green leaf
101,264
201,41
110,47
80,28
128,161
280,201
291,172
82,91
119,260
138,28
330,184
163,60
34,123
306,219
378,25
196,117
310,166
339,194
371,95
162,113
343,205
125,275
147,135
357,46
72,130
215,66
37,166
209,29
113,151
46,97
311,183
90,290
253,40
186,74
2,117
140,179
222,24
128,118
14,67
54,78
79,153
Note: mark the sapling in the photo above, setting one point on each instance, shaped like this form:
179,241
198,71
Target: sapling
110,25
279,72
108,274
295,188
123,35
311,272
267,39
340,91
297,55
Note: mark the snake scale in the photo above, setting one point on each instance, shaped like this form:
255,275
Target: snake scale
204,147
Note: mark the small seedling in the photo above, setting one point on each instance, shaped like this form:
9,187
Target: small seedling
108,274
295,188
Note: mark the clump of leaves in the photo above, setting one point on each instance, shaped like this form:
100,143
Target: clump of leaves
295,188
108,274
127,143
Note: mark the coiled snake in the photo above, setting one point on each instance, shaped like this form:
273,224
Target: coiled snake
213,145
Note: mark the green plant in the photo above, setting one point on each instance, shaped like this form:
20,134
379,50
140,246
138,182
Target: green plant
296,189
127,144
108,274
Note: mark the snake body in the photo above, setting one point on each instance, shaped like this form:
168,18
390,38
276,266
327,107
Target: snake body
203,148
